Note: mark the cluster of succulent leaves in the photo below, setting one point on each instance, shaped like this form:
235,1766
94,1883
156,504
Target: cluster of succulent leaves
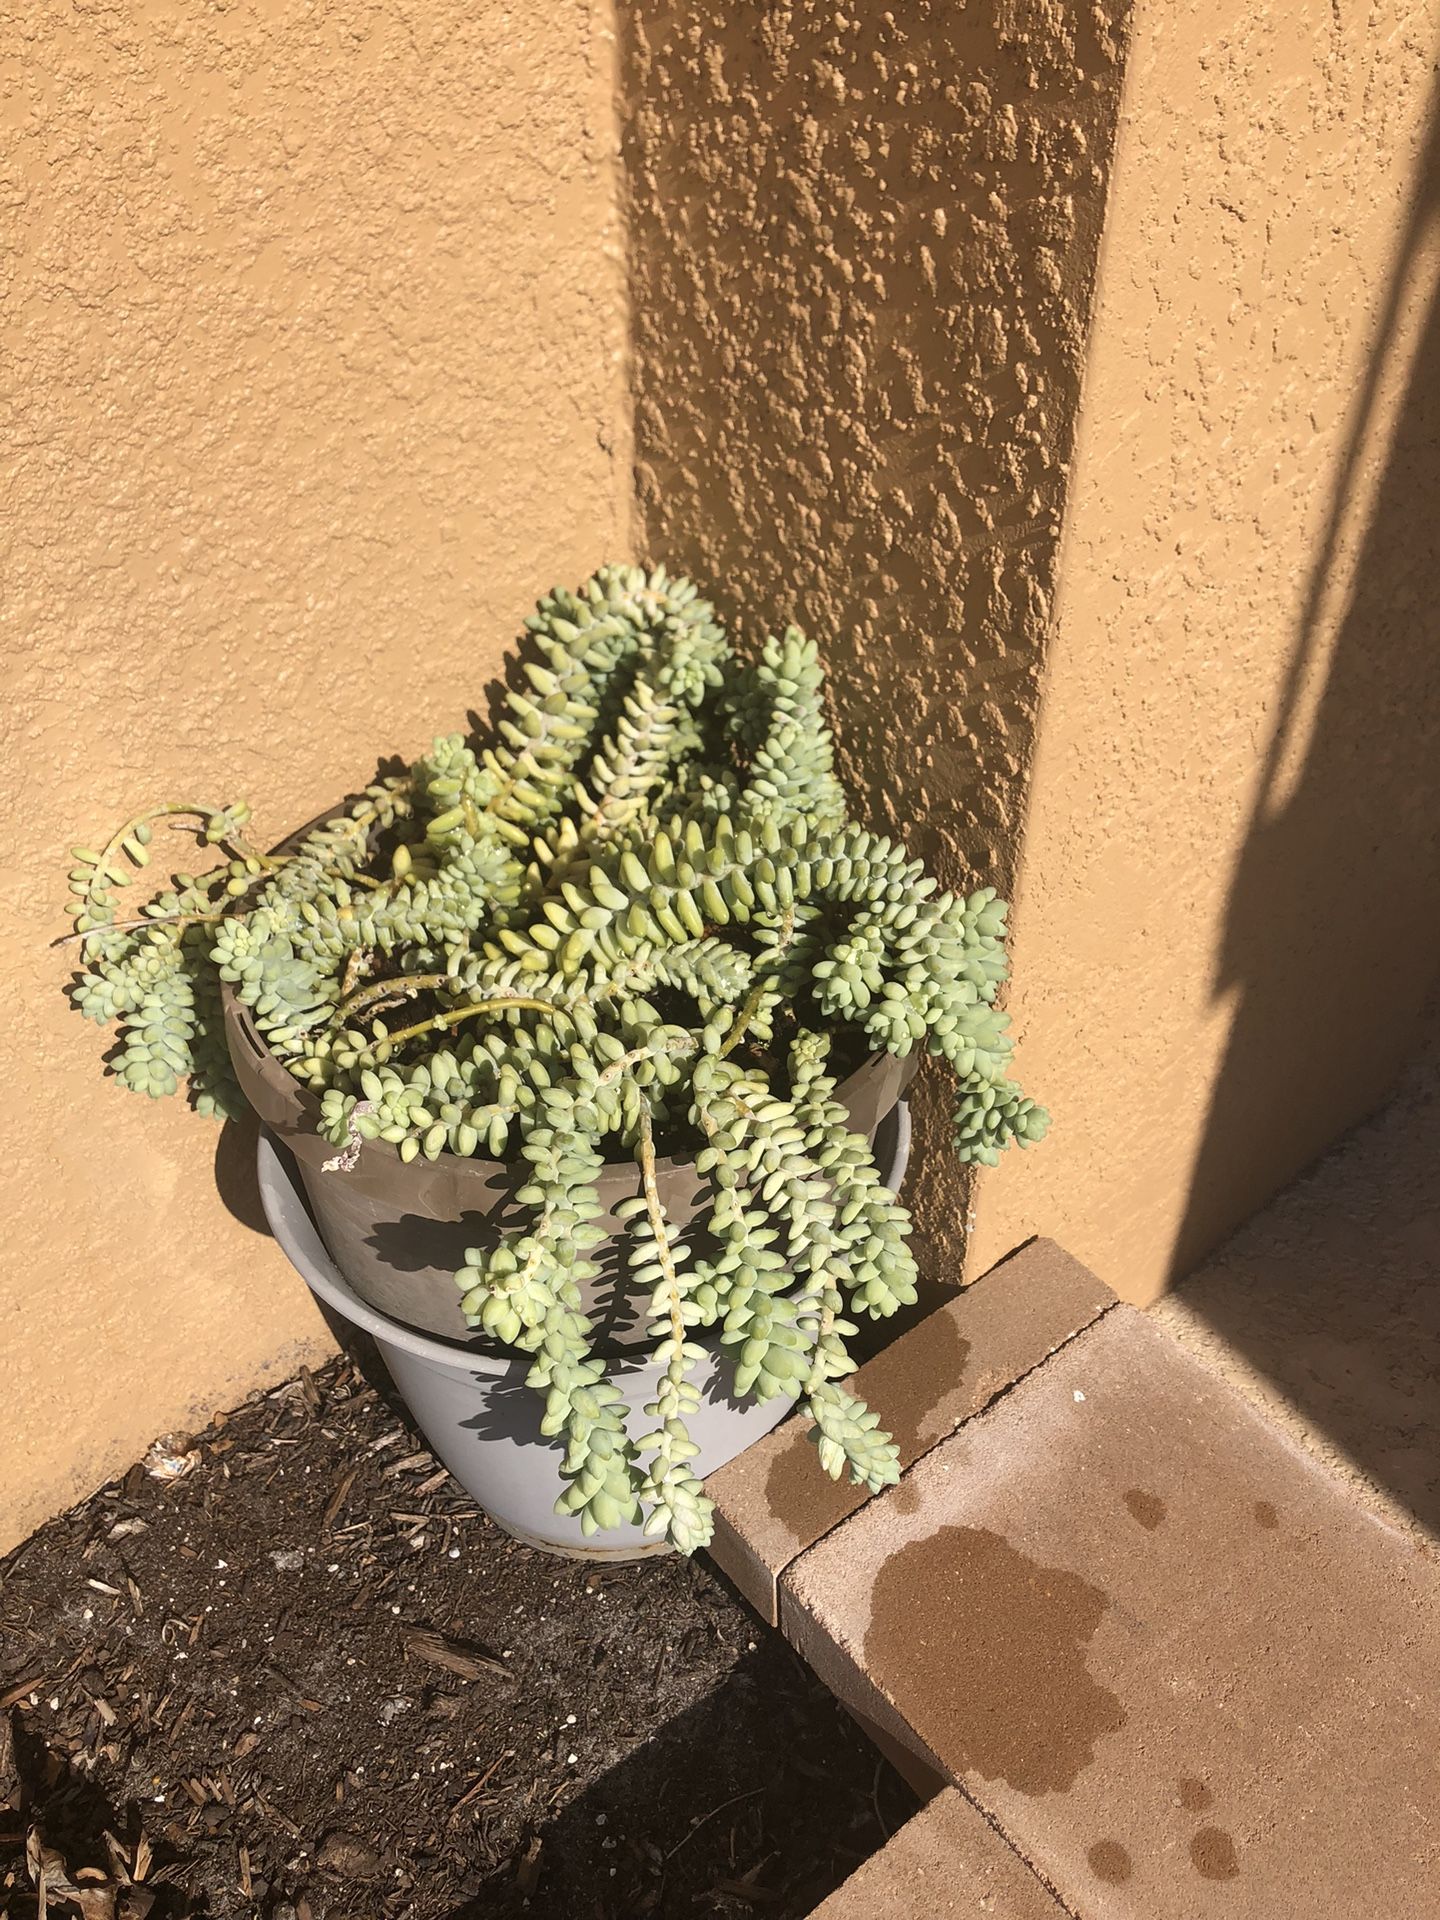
635,920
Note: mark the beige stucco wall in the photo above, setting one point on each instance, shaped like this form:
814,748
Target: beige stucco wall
1229,907
313,335
862,247
316,347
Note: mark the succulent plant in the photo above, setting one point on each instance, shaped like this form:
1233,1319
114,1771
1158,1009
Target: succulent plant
635,920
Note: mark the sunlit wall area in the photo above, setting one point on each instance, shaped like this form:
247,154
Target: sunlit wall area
314,337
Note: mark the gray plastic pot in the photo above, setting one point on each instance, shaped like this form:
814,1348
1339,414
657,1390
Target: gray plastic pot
397,1230
475,1409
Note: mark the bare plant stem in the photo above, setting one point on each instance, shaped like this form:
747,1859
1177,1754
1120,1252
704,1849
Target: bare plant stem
355,965
761,987
500,1003
404,986
179,921
660,1228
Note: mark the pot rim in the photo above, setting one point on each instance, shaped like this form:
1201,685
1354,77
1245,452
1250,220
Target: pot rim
306,1108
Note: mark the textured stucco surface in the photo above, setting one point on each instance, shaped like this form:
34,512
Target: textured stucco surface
313,334
862,249
1229,904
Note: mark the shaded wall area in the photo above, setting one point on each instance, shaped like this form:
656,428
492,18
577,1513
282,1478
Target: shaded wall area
314,334
862,249
1323,1308
1229,913
1332,933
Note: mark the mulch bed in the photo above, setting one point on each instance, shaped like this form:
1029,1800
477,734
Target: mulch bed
287,1669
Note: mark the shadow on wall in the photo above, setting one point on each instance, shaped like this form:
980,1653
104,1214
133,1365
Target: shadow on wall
1334,910
236,1180
862,255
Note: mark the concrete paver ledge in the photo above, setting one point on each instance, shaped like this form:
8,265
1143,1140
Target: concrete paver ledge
1164,1652
773,1502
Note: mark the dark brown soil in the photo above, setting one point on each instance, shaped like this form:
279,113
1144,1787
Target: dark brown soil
307,1678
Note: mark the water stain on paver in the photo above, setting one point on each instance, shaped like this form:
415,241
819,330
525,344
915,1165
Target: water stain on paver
1109,1861
1145,1508
1195,1796
1265,1514
1212,1852
799,1492
803,1498
984,1650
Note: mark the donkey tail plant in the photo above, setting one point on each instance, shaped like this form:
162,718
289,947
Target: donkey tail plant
635,921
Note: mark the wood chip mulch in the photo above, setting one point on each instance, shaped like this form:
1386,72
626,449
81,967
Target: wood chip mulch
286,1669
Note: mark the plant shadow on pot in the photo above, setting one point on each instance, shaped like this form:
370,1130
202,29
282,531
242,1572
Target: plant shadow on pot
415,1242
432,1251
512,1410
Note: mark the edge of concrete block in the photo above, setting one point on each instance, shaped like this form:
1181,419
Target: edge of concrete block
773,1503
947,1858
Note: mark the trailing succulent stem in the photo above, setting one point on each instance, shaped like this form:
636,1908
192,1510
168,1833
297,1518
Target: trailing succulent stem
634,921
